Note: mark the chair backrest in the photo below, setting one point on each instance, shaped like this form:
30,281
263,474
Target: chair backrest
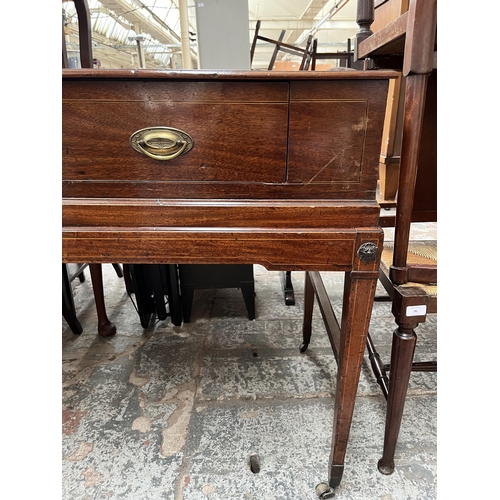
84,35
417,193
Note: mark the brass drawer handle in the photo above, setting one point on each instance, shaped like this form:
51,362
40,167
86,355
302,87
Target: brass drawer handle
161,143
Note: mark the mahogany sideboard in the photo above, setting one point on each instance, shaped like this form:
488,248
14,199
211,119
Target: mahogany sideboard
220,167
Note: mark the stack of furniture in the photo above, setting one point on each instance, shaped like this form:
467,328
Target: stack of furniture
279,46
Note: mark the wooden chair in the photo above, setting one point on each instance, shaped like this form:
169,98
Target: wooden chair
408,269
280,46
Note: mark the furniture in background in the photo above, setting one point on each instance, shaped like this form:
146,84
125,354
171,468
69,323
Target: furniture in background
346,59
385,22
68,304
280,46
202,277
156,290
84,35
278,169
408,268
105,327
309,54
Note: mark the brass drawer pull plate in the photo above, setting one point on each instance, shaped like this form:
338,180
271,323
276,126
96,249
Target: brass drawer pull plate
161,143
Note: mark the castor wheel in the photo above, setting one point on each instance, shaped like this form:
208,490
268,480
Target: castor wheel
303,347
324,491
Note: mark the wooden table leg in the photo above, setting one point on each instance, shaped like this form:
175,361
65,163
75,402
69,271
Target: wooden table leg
359,291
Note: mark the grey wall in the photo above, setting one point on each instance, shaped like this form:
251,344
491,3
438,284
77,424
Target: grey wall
223,34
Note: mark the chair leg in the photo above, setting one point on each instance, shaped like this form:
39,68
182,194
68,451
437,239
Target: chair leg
68,304
104,326
81,276
403,348
286,282
127,276
276,50
118,270
308,313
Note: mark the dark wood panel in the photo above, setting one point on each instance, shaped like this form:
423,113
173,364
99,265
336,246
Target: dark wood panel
286,249
210,190
175,91
335,133
325,146
217,213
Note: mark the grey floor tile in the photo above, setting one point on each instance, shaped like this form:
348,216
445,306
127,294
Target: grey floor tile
174,412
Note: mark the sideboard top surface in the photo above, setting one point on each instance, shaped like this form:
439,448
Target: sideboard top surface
341,74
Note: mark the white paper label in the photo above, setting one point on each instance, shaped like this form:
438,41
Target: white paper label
416,310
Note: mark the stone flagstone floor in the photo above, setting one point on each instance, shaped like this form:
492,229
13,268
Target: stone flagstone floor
176,412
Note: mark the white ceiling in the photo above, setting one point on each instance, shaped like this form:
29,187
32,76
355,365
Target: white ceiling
116,22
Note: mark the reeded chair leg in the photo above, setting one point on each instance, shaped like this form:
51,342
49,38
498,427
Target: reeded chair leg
403,348
104,326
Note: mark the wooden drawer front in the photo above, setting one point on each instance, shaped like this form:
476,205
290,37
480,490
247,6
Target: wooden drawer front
335,133
217,115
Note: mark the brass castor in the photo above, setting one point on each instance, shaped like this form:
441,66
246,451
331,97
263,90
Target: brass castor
324,491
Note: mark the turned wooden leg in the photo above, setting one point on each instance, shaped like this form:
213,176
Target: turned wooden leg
104,327
403,348
359,291
308,313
